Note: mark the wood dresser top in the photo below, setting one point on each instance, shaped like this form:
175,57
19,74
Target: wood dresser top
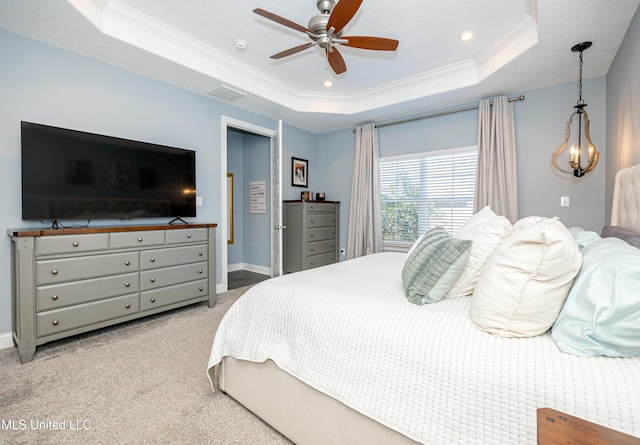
102,229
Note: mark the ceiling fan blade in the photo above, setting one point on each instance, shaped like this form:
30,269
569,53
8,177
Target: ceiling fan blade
342,14
281,20
376,43
336,61
292,51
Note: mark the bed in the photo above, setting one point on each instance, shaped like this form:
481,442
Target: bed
338,355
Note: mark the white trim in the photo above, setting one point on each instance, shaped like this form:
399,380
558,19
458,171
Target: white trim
250,268
396,246
227,122
6,340
424,154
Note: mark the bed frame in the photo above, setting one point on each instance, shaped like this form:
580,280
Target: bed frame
307,416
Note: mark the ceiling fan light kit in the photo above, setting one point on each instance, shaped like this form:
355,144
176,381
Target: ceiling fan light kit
325,31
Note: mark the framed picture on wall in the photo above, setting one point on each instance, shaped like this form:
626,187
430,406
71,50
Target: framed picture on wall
299,172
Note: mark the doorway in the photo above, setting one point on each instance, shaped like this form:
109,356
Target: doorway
267,218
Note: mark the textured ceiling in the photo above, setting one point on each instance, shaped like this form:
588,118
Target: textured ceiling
518,45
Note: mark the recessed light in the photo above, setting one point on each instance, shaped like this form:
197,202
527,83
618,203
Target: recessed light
240,44
328,83
467,35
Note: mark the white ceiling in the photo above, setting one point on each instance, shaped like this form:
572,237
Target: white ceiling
518,45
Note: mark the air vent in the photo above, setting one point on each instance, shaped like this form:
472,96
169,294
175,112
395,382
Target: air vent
225,93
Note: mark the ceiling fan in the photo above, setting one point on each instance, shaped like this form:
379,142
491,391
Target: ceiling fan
325,31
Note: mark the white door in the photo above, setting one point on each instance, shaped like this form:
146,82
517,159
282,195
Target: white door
276,202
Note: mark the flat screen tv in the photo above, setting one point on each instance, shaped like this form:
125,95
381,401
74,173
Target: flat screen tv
73,175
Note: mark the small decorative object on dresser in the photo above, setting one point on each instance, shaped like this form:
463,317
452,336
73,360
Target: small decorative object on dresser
70,281
306,196
311,236
299,172
320,196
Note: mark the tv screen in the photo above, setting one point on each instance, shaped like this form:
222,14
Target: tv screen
69,174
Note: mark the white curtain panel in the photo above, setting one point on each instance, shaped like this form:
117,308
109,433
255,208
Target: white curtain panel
365,217
496,180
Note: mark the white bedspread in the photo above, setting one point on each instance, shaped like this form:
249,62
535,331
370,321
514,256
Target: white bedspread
425,371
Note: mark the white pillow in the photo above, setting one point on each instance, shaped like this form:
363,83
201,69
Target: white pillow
486,230
526,280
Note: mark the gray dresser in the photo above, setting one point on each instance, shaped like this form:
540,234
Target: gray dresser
69,281
310,238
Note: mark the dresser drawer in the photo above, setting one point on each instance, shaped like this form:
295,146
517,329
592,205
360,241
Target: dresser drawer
123,240
152,279
173,294
174,256
77,292
59,320
65,244
321,220
320,260
321,207
79,268
320,234
186,236
318,247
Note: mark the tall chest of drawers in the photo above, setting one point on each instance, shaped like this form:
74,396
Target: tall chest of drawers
310,237
65,282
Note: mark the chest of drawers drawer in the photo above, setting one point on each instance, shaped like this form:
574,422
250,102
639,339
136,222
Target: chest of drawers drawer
151,279
121,240
320,260
79,268
66,244
59,320
174,256
321,220
172,294
320,234
321,207
77,292
186,236
319,247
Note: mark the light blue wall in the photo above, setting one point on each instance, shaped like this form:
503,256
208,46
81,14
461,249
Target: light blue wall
623,108
300,144
43,84
235,154
256,227
540,125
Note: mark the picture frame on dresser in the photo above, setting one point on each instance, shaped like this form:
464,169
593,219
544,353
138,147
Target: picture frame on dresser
299,172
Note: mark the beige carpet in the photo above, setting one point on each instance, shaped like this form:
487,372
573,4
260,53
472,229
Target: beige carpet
143,382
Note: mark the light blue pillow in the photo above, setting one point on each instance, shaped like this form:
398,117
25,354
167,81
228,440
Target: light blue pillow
583,237
433,266
601,315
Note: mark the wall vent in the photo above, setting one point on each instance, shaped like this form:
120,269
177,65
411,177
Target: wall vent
226,93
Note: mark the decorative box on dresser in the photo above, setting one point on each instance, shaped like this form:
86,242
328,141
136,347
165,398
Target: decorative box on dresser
310,237
69,281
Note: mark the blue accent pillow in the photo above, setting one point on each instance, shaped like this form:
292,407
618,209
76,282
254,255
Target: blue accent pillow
433,265
601,315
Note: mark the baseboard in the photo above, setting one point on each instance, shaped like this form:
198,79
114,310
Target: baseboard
6,340
250,267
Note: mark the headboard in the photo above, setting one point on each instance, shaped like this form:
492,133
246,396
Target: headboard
625,210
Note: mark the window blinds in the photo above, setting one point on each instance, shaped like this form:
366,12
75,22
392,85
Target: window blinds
426,190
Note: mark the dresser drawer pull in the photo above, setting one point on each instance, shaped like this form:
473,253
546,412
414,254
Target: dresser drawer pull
54,272
153,300
54,297
75,244
127,284
153,260
127,305
313,250
127,263
312,263
55,322
200,254
139,240
153,280
311,221
188,236
200,289
311,235
200,271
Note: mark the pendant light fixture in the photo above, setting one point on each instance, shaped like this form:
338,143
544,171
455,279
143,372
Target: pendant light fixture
581,140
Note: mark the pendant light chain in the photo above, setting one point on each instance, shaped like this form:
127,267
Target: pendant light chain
580,101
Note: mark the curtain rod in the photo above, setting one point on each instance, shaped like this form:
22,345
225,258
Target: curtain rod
441,113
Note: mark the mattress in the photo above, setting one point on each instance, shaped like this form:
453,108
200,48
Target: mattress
348,331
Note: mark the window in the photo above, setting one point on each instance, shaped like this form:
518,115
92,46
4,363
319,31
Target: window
425,190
